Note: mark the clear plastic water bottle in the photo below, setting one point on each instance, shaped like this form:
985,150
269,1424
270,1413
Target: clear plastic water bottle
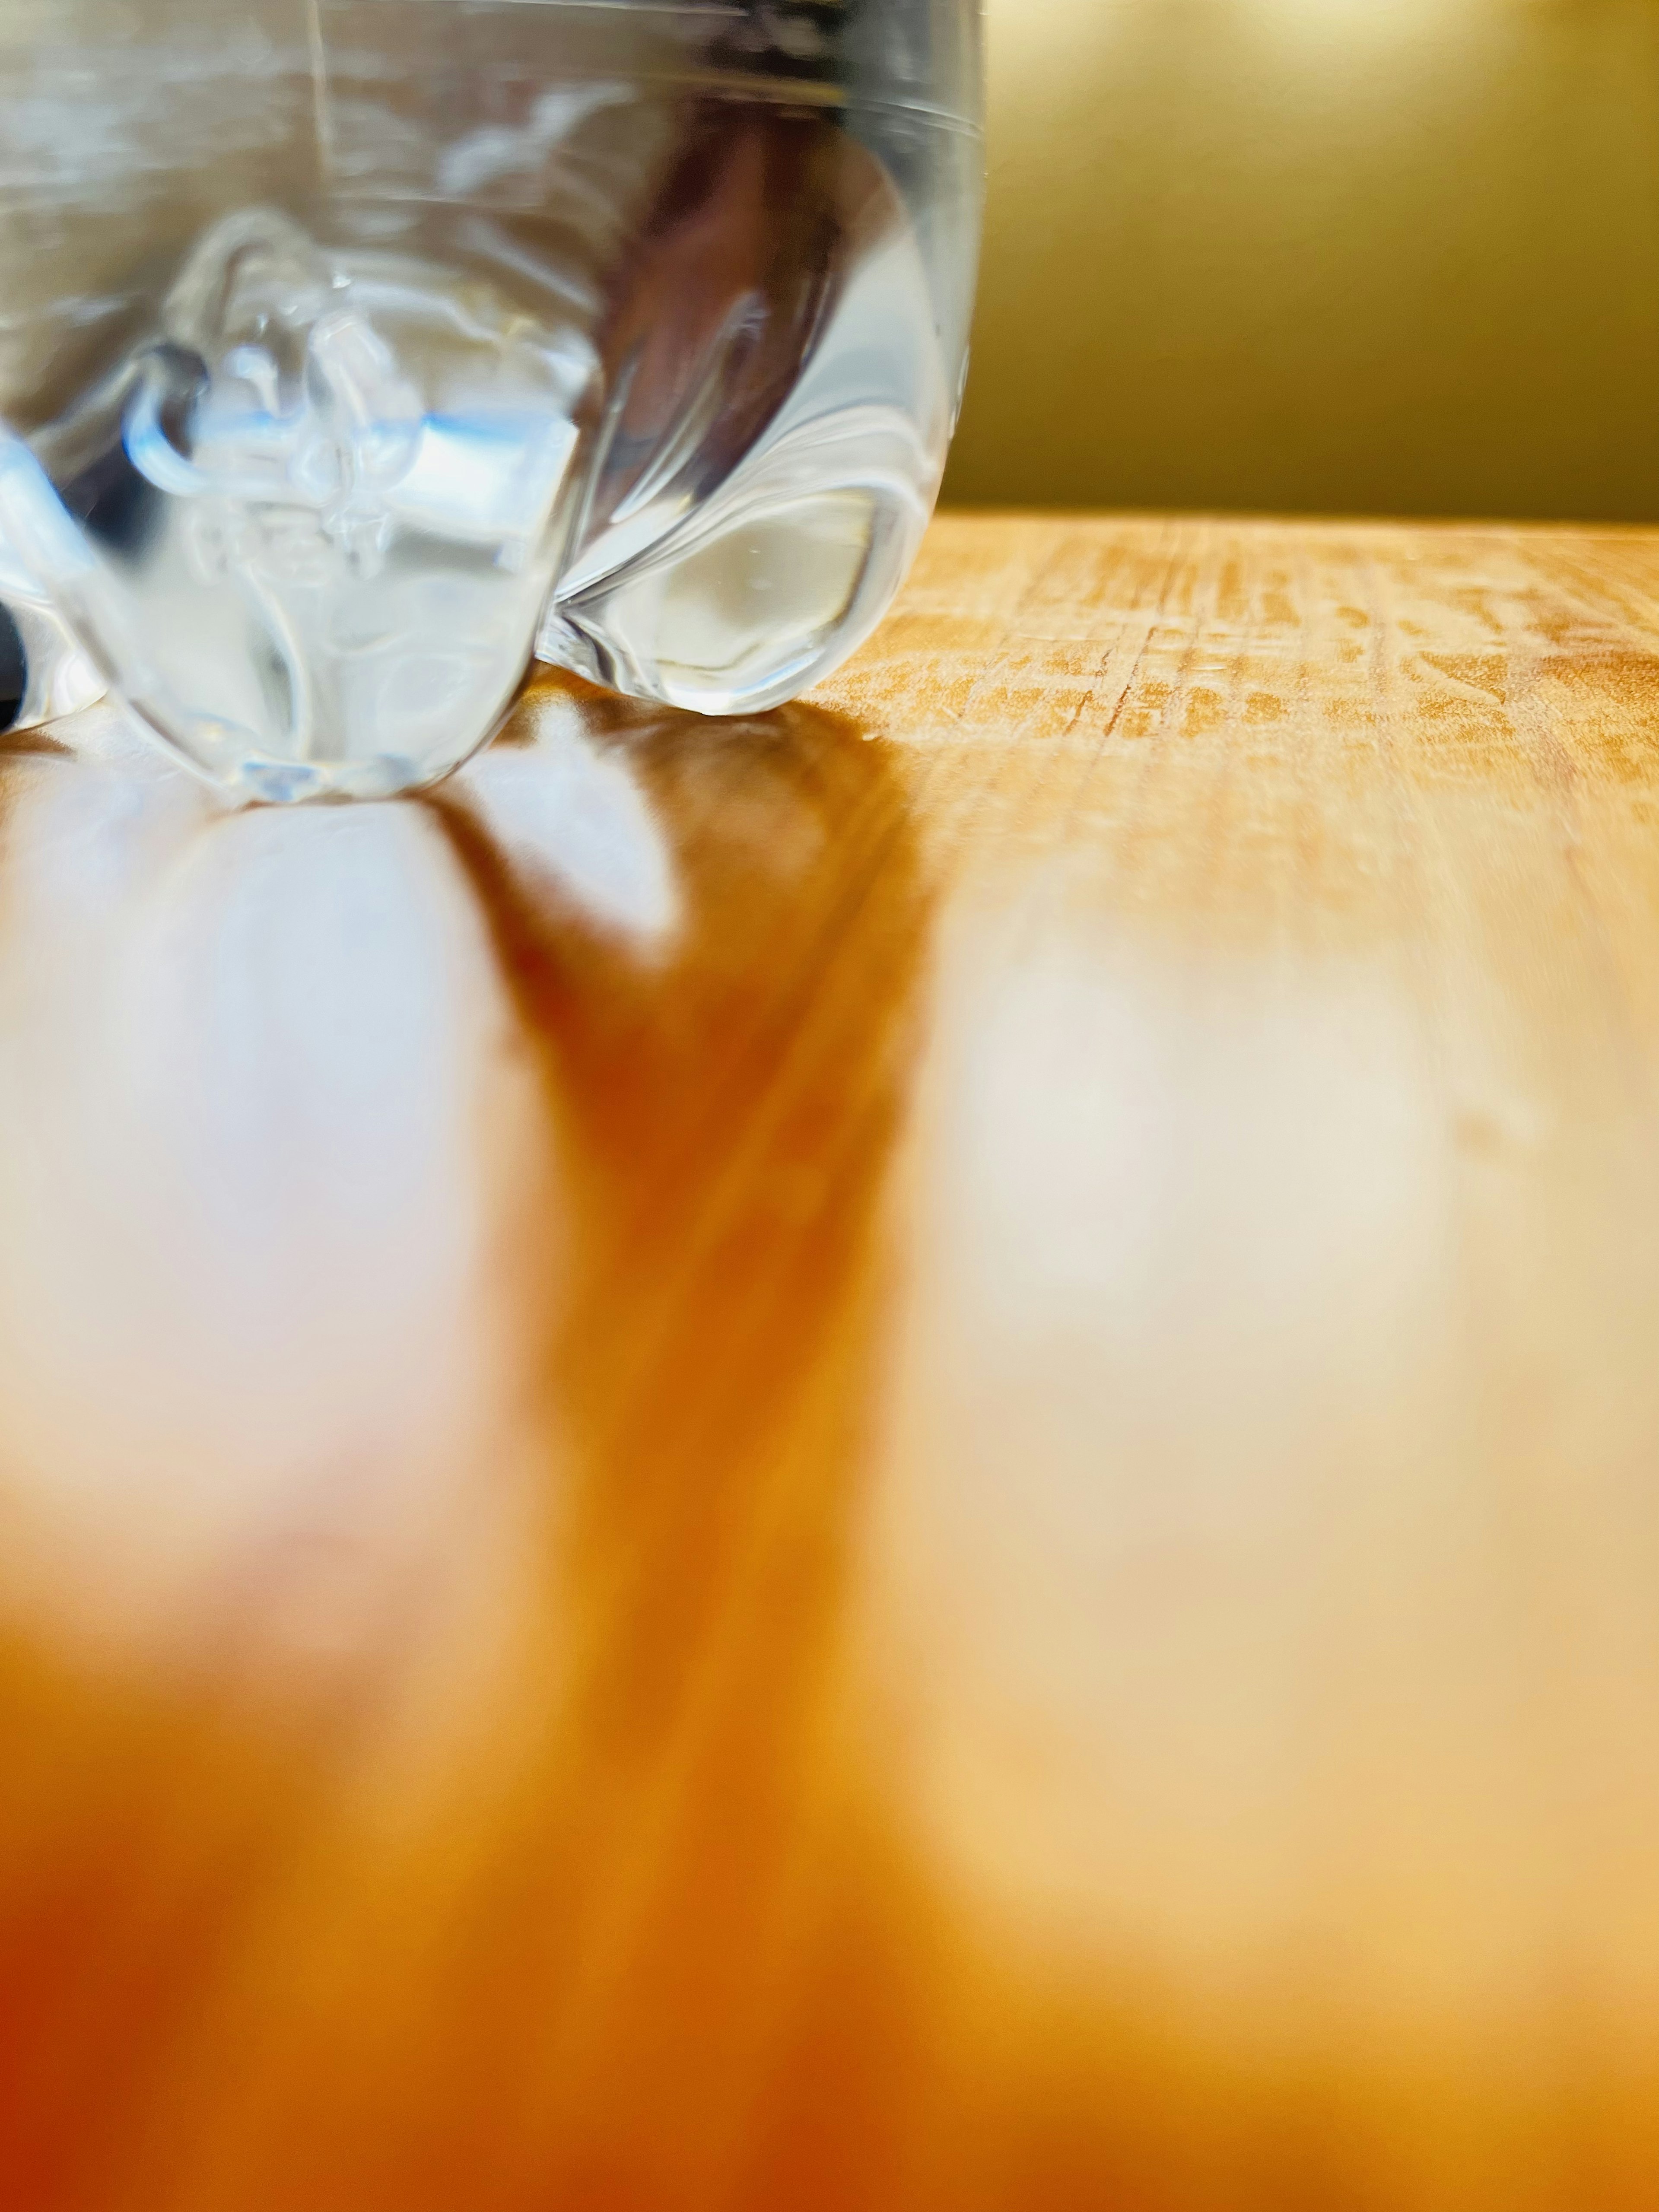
353,351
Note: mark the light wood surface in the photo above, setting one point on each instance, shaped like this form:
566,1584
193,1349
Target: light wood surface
904,1457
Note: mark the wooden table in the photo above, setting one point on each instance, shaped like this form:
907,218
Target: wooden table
902,1457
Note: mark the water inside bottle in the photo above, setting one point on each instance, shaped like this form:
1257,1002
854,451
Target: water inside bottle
315,515
652,382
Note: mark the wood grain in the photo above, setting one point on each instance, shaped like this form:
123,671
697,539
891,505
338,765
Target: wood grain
902,1457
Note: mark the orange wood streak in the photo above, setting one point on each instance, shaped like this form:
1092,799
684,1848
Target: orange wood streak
898,1457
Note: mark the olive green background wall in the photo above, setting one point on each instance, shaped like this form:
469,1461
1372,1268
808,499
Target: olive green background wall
1356,256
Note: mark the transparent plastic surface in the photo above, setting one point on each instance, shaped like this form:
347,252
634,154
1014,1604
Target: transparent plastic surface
355,350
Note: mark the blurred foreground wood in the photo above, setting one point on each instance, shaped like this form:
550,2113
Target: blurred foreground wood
903,1457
